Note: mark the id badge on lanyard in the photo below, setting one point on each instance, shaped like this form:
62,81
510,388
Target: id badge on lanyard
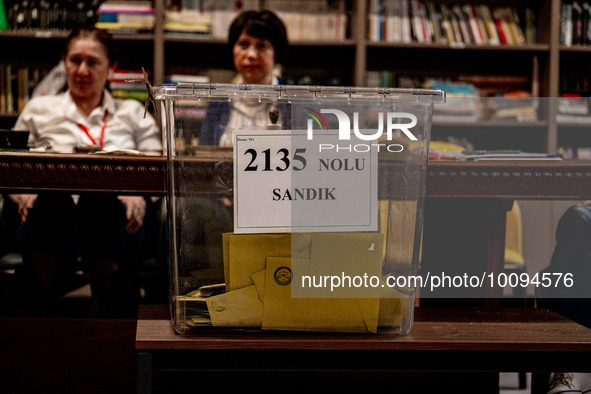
95,146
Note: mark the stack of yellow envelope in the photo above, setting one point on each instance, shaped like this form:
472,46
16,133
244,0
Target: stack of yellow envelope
261,269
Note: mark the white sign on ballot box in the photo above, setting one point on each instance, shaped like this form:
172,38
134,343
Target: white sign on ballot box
284,182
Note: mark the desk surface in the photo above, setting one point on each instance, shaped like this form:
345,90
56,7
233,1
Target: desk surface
442,339
147,174
461,329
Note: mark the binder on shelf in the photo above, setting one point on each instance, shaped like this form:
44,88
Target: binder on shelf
375,20
502,26
393,22
406,22
417,26
436,21
455,23
491,28
577,21
585,24
568,24
470,16
515,26
530,26
463,23
425,25
446,25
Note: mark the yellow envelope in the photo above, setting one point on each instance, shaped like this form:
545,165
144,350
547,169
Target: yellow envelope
355,258
240,308
282,312
258,278
247,254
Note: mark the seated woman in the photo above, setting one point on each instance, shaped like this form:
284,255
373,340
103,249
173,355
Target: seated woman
258,40
107,231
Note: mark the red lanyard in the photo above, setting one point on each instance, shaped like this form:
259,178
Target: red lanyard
83,128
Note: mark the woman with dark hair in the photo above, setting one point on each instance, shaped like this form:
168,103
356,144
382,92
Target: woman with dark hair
258,40
106,231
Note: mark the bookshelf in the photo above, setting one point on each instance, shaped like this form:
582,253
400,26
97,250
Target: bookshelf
355,56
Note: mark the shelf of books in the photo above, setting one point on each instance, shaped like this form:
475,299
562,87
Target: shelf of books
429,22
17,84
306,21
57,34
475,47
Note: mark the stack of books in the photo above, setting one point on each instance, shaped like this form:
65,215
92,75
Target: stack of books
126,84
573,108
506,97
515,106
573,103
204,18
462,102
126,17
407,21
176,78
188,23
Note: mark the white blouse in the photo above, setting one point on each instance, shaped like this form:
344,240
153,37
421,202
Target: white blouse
54,122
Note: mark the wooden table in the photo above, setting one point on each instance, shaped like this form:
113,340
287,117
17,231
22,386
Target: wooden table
442,339
525,180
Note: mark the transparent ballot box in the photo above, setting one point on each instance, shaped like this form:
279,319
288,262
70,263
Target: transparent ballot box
294,208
